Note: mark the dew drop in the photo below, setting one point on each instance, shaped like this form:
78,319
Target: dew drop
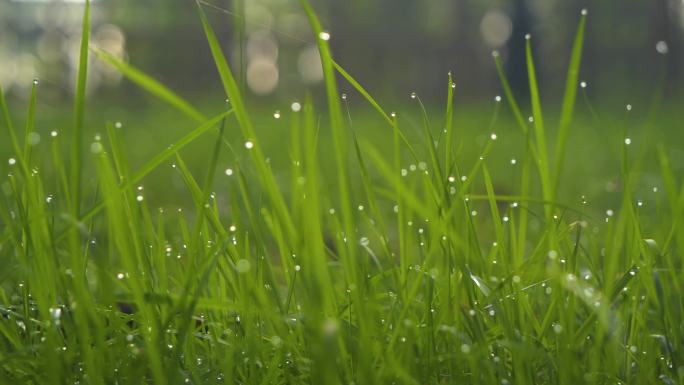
96,147
276,114
629,107
413,95
120,276
249,145
584,12
35,81
34,138
140,198
583,84
297,268
325,36
628,141
528,36
54,134
364,241
497,99
118,125
243,266
229,171
12,161
296,107
493,136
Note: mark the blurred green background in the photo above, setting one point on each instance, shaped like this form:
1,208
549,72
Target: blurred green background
392,46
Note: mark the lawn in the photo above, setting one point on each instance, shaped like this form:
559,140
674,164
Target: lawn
336,241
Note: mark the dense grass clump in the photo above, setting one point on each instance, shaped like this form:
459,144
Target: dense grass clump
398,264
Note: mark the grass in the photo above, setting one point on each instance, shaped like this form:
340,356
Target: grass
416,257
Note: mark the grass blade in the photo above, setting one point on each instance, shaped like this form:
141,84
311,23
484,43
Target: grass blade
569,99
151,85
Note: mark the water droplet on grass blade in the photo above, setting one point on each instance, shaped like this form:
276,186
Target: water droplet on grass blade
11,161
276,115
96,147
243,266
557,328
325,36
296,107
249,145
33,138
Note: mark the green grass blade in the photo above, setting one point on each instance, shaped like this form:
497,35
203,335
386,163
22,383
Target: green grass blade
79,113
376,106
151,85
542,154
236,100
571,85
